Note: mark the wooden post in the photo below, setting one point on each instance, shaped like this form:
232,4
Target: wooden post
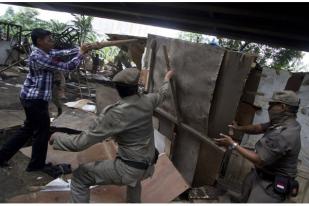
172,85
102,44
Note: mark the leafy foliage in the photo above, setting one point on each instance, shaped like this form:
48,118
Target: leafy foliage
28,19
275,58
192,37
56,26
84,25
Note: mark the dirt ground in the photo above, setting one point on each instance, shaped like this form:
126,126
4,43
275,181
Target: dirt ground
14,179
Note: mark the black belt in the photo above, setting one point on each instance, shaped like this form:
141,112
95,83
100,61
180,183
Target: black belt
265,176
141,165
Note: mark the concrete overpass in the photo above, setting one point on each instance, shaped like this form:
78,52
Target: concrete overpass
275,24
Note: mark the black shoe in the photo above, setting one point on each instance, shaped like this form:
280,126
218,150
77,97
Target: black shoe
4,164
35,169
57,170
54,170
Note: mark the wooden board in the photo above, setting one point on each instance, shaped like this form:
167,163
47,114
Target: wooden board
74,119
229,88
230,85
271,81
197,67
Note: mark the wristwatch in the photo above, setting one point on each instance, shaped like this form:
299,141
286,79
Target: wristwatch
234,145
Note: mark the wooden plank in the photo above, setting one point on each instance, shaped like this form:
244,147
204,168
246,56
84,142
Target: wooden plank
185,153
229,88
172,85
150,63
230,85
271,81
252,85
74,119
295,81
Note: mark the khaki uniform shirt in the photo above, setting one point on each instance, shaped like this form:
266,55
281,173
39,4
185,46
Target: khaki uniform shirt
279,148
129,121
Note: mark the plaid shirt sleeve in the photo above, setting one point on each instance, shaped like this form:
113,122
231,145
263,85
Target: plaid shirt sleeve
64,52
52,64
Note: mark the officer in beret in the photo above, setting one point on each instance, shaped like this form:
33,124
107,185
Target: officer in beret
276,153
129,121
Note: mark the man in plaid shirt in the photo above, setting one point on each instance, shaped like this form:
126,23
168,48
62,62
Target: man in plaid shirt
35,95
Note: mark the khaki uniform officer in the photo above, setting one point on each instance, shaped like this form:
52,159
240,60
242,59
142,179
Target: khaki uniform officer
276,153
130,122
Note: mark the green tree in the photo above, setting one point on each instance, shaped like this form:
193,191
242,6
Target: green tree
84,25
275,58
56,27
192,37
8,15
25,17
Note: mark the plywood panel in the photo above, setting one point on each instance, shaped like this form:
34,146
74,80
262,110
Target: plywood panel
197,67
230,85
185,154
229,88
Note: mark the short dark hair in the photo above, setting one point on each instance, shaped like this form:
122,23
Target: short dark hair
125,90
39,33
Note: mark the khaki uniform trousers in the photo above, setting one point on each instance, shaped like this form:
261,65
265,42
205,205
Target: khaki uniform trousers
107,172
257,190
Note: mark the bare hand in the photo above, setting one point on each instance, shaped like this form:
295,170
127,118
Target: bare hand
224,141
51,140
85,48
169,74
234,125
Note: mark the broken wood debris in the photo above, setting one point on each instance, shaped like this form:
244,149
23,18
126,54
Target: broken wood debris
74,120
